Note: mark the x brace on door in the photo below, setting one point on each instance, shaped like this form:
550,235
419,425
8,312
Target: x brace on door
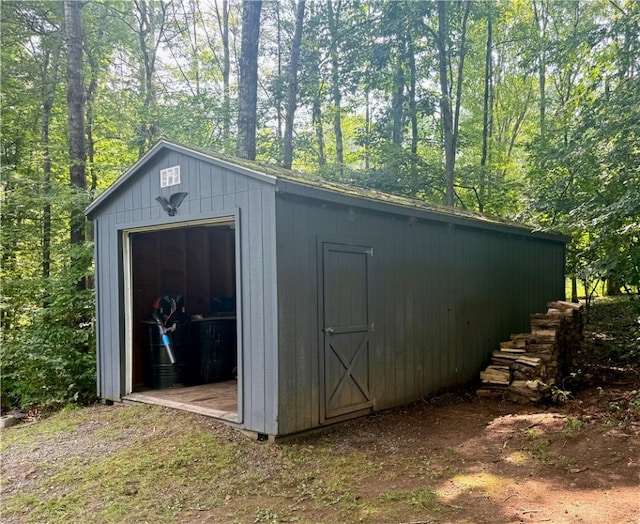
350,365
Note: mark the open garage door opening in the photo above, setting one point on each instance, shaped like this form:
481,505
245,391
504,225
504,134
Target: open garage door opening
182,284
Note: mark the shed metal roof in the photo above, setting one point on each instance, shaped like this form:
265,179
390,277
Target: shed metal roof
315,187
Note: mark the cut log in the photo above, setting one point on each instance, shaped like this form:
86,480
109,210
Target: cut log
546,321
524,369
532,361
523,389
505,355
563,305
544,357
540,348
533,385
560,313
539,339
496,375
544,325
513,344
513,350
494,393
501,361
543,333
516,396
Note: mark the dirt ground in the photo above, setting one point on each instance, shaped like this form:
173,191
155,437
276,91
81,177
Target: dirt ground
451,459
494,462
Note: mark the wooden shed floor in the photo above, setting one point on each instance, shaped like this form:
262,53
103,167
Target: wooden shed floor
218,400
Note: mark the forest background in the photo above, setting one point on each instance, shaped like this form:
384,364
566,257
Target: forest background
524,109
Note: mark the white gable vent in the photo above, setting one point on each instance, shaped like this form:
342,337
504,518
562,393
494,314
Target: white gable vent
170,176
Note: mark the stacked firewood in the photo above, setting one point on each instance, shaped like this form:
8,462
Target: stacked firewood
530,366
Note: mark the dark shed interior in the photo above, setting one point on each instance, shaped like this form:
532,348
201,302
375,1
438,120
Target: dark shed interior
198,263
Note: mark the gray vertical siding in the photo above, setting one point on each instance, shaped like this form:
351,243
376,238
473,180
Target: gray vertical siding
443,296
214,191
108,270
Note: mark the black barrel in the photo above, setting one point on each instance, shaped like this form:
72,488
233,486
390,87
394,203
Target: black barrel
216,339
161,373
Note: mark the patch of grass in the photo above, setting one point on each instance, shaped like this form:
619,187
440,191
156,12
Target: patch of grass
563,462
536,443
574,425
419,498
26,436
538,446
424,498
492,485
439,466
153,478
267,516
518,458
174,465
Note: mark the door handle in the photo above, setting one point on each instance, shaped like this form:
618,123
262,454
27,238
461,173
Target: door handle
328,331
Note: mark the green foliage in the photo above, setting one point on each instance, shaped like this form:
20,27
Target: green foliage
535,443
584,175
48,359
47,366
574,425
418,498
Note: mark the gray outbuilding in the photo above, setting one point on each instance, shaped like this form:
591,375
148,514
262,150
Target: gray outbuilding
306,302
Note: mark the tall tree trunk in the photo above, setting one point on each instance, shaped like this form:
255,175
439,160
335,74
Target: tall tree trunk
413,107
278,92
541,14
148,69
450,116
397,104
445,105
75,113
316,87
248,85
49,85
293,87
487,90
92,89
337,116
486,113
152,20
460,75
334,17
223,26
317,124
367,128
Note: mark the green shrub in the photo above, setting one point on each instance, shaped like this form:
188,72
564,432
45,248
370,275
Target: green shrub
48,353
47,366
